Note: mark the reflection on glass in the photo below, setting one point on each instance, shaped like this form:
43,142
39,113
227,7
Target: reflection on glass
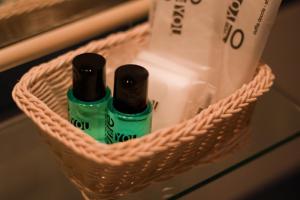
20,19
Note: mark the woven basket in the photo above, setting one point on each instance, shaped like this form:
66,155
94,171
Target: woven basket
109,171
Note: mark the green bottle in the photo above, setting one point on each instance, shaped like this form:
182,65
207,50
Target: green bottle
88,98
129,112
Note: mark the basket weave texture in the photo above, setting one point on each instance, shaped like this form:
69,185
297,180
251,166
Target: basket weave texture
109,171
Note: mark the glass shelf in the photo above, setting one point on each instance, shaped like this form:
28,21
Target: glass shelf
275,122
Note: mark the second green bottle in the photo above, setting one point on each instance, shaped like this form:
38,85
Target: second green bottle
129,112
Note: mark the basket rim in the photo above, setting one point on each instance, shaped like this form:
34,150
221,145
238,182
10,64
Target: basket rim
118,153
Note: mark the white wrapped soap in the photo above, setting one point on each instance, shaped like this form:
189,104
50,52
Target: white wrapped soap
174,90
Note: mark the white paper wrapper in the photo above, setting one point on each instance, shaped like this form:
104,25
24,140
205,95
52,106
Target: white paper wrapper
203,50
189,32
246,30
173,89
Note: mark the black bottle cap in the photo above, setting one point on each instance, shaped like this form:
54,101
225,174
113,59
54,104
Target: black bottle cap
131,89
89,81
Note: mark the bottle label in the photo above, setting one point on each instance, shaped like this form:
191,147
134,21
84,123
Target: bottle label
120,129
83,125
88,116
90,119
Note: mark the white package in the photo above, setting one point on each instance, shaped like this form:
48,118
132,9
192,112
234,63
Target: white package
180,57
173,89
201,51
188,32
246,30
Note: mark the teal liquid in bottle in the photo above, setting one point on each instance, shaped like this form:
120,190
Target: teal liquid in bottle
88,98
129,113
